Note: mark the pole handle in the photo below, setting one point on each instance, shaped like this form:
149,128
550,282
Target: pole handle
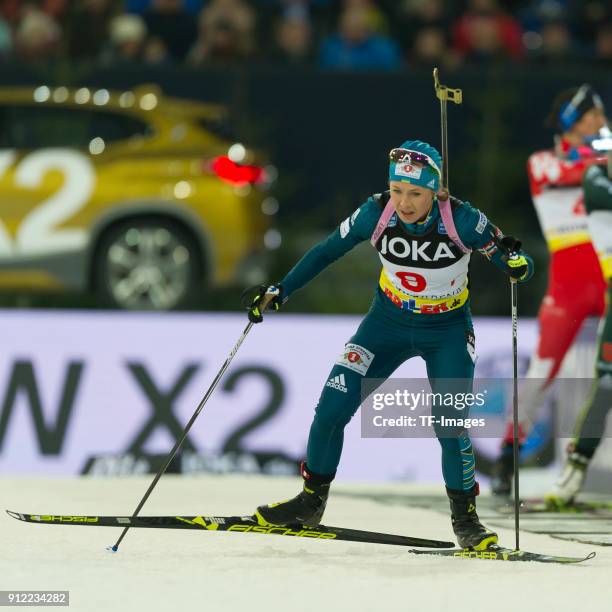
445,93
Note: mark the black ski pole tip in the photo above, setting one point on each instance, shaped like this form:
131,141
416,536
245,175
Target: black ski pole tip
113,548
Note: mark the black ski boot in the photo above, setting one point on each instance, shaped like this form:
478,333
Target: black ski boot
470,532
305,509
501,473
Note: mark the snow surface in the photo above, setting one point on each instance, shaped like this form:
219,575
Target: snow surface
169,570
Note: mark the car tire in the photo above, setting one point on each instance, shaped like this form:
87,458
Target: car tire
147,264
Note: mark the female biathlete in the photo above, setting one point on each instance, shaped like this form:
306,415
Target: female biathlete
421,308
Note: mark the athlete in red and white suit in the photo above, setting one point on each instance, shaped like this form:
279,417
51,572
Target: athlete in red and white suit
576,287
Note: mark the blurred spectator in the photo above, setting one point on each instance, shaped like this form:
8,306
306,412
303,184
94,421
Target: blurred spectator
37,37
221,43
168,21
293,39
485,32
431,49
556,43
127,40
415,15
355,33
87,27
603,44
226,32
357,47
377,19
268,14
156,53
238,12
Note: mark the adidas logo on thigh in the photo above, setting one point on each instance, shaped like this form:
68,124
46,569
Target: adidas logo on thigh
337,382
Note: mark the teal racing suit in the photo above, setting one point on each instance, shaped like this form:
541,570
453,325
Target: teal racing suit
420,308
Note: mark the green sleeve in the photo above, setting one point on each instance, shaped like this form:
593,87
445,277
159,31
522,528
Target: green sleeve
597,189
477,232
353,230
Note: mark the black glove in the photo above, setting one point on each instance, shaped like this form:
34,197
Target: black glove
267,297
518,267
509,245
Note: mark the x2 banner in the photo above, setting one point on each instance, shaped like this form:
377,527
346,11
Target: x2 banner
109,393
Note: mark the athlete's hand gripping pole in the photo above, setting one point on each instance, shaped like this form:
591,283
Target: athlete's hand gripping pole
266,297
180,441
445,94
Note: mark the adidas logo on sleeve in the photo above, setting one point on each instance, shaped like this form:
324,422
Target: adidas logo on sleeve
337,382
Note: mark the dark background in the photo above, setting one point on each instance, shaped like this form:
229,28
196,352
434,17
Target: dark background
324,88
328,134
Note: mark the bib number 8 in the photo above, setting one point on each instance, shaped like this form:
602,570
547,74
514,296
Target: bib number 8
412,281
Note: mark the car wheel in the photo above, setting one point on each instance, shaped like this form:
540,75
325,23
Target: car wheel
147,265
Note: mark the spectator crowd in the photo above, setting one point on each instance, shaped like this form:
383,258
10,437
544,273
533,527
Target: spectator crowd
331,34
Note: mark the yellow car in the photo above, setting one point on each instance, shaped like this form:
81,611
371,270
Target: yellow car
131,194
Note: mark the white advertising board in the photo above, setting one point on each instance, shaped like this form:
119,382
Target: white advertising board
74,385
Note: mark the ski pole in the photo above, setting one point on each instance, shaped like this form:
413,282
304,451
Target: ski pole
180,441
512,254
445,94
515,419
